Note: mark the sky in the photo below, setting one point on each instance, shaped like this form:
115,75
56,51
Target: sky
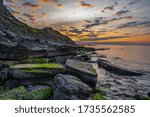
88,21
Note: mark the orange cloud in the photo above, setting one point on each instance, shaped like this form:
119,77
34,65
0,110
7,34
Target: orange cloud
12,1
44,15
15,13
86,5
52,2
33,6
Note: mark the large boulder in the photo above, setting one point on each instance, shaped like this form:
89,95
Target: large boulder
68,87
12,52
35,73
82,70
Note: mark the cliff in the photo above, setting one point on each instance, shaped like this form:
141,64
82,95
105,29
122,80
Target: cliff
12,30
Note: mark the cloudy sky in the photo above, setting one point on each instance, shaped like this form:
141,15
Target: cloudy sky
94,21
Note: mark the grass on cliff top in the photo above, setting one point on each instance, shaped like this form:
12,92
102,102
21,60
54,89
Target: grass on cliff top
39,66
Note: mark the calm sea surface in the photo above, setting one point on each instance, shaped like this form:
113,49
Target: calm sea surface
136,57
130,57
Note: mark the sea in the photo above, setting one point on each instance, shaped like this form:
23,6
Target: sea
132,57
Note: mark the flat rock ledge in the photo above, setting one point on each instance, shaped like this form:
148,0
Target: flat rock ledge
68,87
83,70
116,69
35,73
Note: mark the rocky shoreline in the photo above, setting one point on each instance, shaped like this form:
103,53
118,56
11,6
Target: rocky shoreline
41,78
70,78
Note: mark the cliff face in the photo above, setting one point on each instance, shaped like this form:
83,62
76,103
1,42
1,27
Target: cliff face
15,32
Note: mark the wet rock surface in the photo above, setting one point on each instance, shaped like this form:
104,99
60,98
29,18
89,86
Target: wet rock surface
68,87
121,87
4,69
116,69
83,70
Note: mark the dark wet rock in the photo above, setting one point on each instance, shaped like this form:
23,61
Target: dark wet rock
62,59
83,70
4,69
11,84
35,87
103,60
116,69
102,49
148,94
85,57
90,61
138,97
68,87
99,56
25,74
12,52
117,58
35,71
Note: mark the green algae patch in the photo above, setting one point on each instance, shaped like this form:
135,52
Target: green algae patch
2,89
38,66
36,71
146,98
98,96
92,70
40,94
15,94
36,60
85,67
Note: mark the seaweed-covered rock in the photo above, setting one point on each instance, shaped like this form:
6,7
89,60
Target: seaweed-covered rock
83,70
35,71
68,87
98,94
39,93
15,94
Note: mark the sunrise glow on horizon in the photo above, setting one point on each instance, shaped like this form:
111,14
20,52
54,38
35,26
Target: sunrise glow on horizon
92,21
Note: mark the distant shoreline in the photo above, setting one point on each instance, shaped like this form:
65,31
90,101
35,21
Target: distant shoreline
95,43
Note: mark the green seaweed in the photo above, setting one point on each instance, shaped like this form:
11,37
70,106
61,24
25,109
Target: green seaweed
2,90
146,98
14,94
92,70
36,60
98,96
39,60
84,67
40,94
36,71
